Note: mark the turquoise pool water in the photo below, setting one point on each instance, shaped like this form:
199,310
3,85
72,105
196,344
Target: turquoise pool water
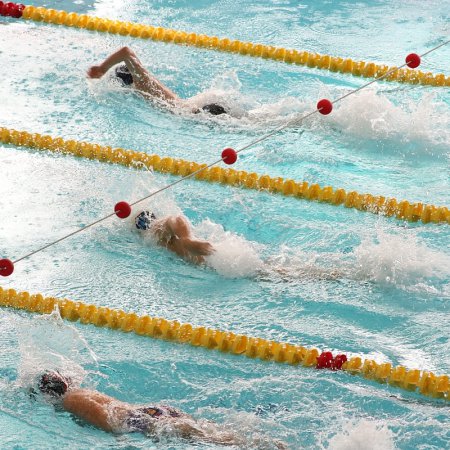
390,304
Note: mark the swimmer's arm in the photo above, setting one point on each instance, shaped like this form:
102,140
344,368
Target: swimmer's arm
197,248
144,82
126,55
178,228
93,407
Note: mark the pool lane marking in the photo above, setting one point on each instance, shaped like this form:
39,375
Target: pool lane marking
308,59
415,380
324,107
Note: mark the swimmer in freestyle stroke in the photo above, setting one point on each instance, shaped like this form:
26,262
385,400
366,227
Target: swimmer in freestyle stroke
175,234
115,416
132,73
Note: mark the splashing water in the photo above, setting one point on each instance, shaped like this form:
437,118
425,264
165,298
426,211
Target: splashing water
385,258
225,91
399,259
48,343
363,435
244,110
294,263
234,256
372,115
366,114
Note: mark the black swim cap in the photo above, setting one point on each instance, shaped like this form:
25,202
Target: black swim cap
144,219
214,109
124,74
54,384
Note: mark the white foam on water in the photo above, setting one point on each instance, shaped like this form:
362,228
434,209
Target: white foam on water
255,432
225,91
362,435
400,259
48,343
295,263
370,114
385,257
246,111
234,256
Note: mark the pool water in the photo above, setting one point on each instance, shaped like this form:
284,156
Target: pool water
390,302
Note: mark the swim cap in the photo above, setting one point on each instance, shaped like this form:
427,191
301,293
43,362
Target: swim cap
54,384
214,109
124,74
144,219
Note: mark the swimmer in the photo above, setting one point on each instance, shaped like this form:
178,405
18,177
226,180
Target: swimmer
175,234
115,416
132,73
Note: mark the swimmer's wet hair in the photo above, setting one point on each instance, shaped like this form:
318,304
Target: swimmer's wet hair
124,74
144,220
214,109
54,384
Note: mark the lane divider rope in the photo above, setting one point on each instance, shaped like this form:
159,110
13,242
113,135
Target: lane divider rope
403,210
304,58
421,381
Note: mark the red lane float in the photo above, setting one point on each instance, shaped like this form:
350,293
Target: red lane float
229,156
122,210
326,361
6,267
11,9
412,60
324,106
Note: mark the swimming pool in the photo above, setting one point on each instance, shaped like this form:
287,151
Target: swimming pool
391,304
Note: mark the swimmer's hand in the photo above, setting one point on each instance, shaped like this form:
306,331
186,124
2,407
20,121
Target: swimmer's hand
96,72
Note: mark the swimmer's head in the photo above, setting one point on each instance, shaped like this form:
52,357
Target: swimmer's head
54,384
214,109
124,74
144,220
